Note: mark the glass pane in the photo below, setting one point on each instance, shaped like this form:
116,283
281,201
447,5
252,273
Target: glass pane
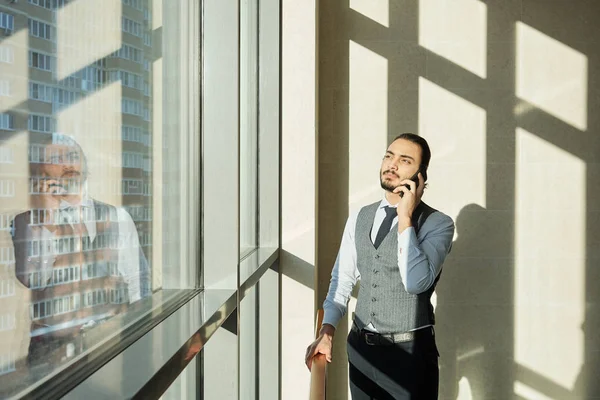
93,165
248,124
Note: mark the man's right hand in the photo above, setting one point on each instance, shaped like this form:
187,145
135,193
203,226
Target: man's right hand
322,345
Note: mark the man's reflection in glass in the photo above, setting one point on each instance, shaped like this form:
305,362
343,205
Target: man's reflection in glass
79,258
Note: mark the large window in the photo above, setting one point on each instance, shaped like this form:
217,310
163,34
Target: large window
139,199
92,160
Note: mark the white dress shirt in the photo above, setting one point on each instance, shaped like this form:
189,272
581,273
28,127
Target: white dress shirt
130,264
420,259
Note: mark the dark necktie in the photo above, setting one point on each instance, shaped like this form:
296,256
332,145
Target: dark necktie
384,229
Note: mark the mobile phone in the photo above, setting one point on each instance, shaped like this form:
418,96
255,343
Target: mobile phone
415,179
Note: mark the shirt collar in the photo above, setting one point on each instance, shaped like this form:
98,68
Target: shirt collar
385,203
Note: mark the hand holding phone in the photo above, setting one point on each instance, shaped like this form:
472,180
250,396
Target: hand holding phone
415,179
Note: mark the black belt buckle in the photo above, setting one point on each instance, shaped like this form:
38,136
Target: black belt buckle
371,338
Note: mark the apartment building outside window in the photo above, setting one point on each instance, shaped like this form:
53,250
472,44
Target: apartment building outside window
128,79
41,92
7,362
41,61
85,285
7,287
4,87
7,255
132,27
7,121
7,54
48,4
94,298
7,188
6,155
133,107
128,52
42,123
137,4
7,321
41,29
7,21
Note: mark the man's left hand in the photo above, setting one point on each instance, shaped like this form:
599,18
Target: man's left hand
410,198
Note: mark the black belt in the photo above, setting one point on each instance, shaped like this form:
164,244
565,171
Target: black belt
383,339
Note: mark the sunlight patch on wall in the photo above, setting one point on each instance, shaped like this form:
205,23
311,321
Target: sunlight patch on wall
457,31
368,116
552,76
528,393
79,25
456,132
95,122
15,73
377,10
549,259
464,389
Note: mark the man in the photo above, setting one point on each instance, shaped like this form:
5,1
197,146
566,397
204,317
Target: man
78,261
396,248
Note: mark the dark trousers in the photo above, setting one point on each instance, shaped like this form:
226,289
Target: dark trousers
406,370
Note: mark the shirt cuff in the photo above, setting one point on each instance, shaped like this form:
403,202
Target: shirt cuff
407,240
332,315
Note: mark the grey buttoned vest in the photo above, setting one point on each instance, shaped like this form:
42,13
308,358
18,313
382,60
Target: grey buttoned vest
382,298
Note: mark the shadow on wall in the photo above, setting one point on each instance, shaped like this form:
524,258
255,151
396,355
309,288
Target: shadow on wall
472,299
297,269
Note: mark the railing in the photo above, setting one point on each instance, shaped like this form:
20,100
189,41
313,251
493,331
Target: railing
319,368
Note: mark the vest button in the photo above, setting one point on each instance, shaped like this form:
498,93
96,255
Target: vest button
374,285
372,314
376,256
373,299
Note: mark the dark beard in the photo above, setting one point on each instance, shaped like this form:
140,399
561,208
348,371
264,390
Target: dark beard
386,185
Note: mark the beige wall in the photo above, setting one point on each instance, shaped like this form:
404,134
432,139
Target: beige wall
298,194
506,93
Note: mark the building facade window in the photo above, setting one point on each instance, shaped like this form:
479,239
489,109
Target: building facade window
132,133
65,98
132,107
128,79
4,87
94,298
133,159
42,123
65,275
41,61
7,121
41,29
48,4
92,77
132,27
7,54
7,321
129,53
137,4
119,296
6,155
41,92
7,287
7,255
7,22
7,362
7,188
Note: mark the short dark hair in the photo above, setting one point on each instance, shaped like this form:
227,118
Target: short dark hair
425,151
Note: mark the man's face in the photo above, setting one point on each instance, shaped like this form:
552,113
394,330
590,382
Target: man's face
62,162
62,168
401,161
